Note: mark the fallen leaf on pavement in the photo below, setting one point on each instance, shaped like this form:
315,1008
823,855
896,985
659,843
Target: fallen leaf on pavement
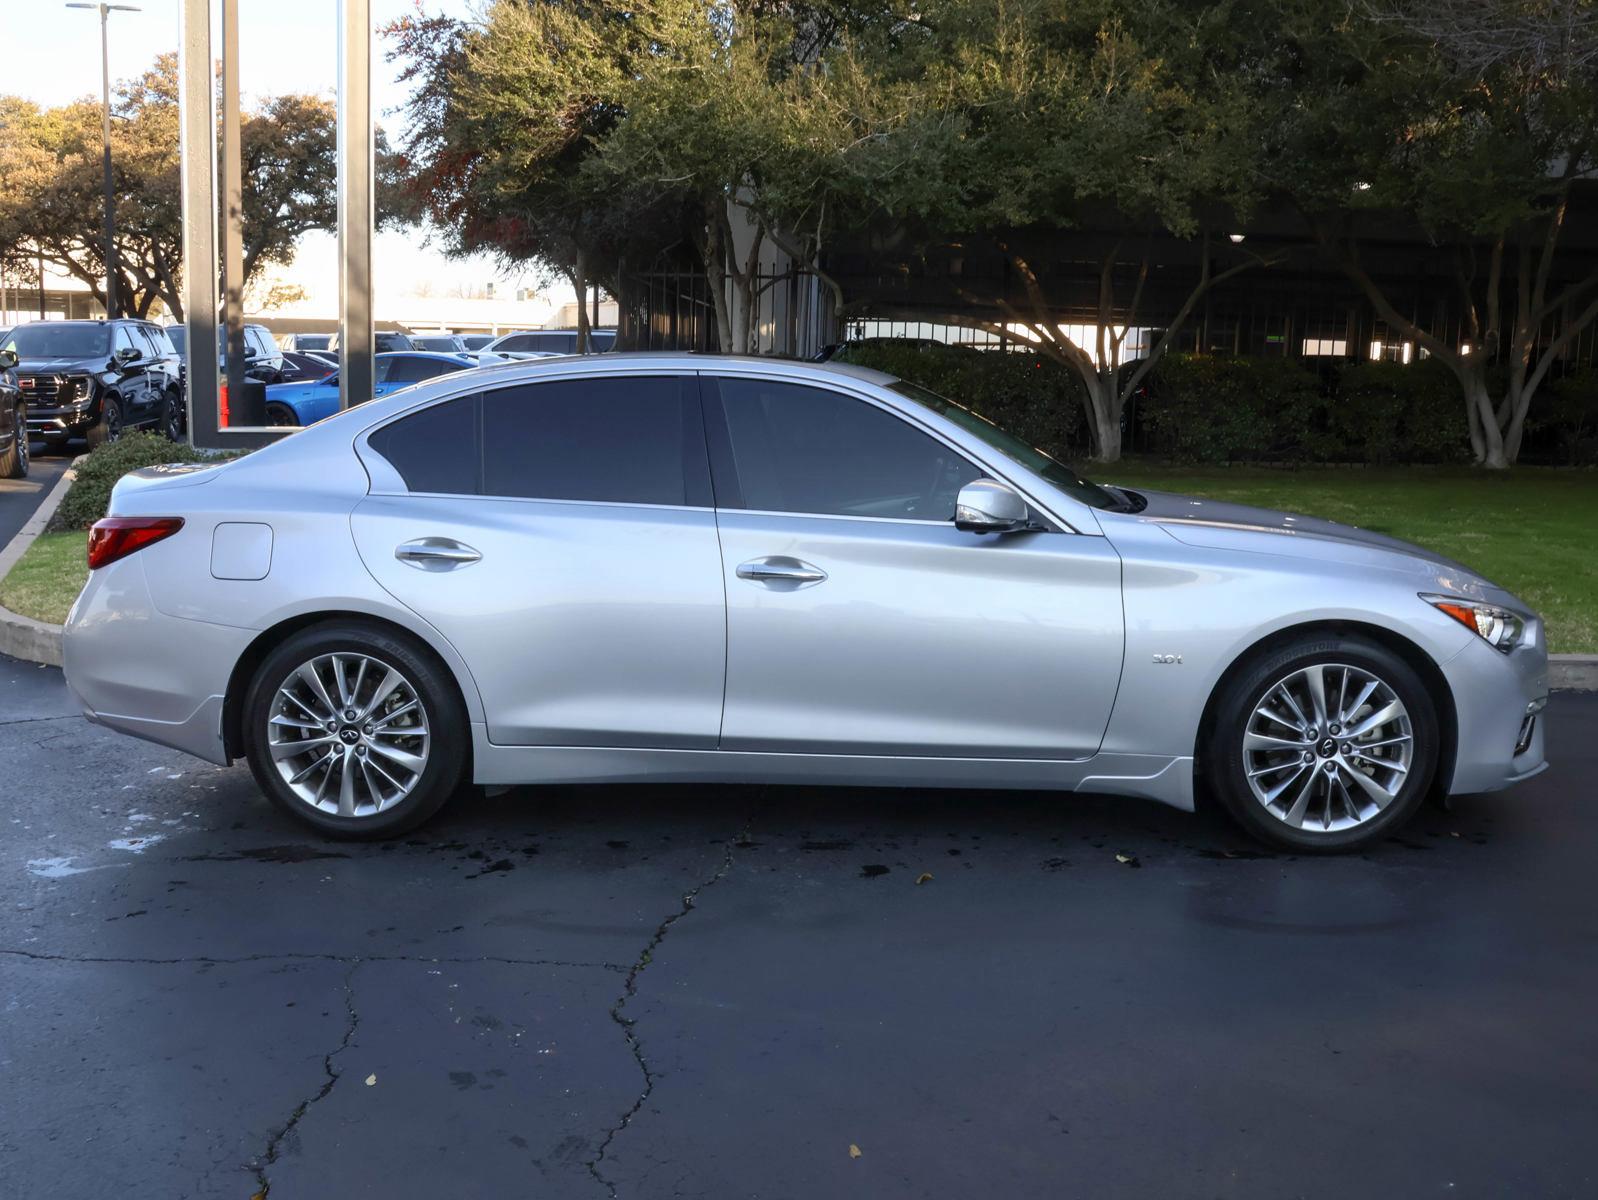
924,877
371,1080
1128,859
854,1151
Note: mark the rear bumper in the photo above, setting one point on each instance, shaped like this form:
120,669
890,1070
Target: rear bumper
135,669
1494,695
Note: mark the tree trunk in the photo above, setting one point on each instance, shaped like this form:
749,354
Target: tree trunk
1473,379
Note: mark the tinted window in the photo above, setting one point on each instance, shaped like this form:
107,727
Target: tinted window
264,339
435,450
178,335
49,339
158,338
123,340
807,450
629,440
413,368
558,343
516,344
145,341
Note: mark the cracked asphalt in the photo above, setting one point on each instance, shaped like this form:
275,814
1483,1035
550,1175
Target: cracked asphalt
717,992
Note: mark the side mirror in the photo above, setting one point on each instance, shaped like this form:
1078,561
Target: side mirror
8,359
126,354
988,506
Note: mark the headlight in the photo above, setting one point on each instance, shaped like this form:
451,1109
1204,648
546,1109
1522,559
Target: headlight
77,388
1498,627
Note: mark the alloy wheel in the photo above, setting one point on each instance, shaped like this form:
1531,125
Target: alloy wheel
348,734
1328,748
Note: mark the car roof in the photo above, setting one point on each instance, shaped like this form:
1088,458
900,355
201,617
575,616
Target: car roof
441,355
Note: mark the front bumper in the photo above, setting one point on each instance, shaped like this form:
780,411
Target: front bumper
1494,694
137,670
59,422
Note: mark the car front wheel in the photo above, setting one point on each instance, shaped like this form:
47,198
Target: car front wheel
14,462
1327,744
109,427
355,730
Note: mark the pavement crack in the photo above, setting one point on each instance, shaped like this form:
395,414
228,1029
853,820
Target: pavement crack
630,989
275,1143
37,720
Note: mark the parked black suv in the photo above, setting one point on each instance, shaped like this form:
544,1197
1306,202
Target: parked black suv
95,379
13,421
263,361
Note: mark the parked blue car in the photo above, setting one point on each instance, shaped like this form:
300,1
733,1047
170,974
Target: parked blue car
307,403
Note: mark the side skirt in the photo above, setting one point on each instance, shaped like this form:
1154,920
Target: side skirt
1162,778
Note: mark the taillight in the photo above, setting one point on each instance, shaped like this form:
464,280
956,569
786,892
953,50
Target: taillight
117,537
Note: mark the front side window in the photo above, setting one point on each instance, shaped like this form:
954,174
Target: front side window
124,341
802,449
625,440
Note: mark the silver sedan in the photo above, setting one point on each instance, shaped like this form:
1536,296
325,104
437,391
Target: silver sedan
663,567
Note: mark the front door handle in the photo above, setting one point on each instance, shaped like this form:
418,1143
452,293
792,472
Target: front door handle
436,554
780,568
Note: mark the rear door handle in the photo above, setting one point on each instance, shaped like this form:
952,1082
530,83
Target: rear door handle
436,554
779,568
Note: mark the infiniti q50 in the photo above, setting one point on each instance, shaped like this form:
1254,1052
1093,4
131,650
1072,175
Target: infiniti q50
664,567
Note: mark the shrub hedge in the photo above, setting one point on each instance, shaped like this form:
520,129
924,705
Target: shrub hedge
86,500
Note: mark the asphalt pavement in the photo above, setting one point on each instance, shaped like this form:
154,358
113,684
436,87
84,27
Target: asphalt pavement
20,497
727,992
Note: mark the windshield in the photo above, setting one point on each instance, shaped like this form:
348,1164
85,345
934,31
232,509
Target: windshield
446,344
1050,469
48,339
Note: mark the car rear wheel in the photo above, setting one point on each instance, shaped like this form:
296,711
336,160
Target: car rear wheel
14,462
355,730
172,418
1327,744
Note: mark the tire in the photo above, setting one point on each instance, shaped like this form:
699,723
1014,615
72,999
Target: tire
172,423
1300,792
388,793
109,427
14,462
278,413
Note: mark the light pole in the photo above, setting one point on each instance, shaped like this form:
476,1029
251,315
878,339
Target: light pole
111,309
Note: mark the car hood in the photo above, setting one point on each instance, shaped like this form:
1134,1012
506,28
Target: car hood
61,364
1218,524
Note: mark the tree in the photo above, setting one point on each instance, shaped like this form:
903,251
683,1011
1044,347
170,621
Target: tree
1476,120
1029,117
51,194
580,136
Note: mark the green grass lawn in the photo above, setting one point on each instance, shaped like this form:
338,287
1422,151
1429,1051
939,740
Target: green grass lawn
1532,531
48,578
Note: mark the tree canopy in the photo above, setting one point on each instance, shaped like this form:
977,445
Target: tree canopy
51,198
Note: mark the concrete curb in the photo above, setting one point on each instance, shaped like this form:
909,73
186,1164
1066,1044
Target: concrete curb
1573,672
23,637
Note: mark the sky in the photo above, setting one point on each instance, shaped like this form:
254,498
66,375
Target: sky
284,46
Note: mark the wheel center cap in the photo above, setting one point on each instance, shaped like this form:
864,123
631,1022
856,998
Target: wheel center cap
1328,747
349,735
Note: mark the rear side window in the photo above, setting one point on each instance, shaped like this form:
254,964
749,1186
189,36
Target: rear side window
414,369
627,440
624,440
516,345
802,449
436,450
